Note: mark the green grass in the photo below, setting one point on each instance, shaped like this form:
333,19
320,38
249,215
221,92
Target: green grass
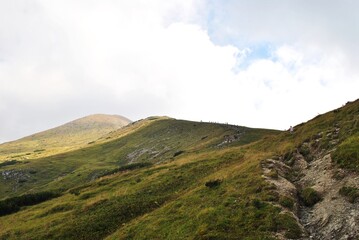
350,193
8,162
96,209
288,223
286,202
12,205
162,178
310,197
234,209
346,119
70,136
347,153
127,167
156,141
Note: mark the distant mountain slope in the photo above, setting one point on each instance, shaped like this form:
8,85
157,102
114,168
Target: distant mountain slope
66,137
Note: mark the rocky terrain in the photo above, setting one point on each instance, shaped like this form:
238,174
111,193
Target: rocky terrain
321,195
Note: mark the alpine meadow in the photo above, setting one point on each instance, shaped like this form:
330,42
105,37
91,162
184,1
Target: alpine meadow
179,120
162,178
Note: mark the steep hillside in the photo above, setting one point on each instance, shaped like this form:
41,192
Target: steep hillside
315,171
162,178
67,137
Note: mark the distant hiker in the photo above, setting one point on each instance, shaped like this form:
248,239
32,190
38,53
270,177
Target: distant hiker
291,129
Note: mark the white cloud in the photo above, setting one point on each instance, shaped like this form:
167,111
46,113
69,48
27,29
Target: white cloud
188,59
292,88
289,56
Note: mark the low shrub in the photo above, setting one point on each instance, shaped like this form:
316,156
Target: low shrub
213,183
8,162
127,167
290,225
338,175
39,150
350,193
178,153
258,203
12,205
273,174
310,197
286,202
304,149
270,196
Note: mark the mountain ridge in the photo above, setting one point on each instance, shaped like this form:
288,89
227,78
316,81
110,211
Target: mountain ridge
65,137
162,178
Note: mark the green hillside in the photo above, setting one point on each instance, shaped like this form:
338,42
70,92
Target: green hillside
69,136
154,140
162,178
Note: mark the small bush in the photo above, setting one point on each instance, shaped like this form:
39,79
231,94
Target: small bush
286,202
87,195
213,183
350,193
271,196
75,192
258,203
273,174
289,158
127,167
338,175
288,223
304,150
12,205
310,197
178,153
32,171
8,162
39,150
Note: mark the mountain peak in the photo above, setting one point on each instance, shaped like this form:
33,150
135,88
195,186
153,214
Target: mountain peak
102,118
69,136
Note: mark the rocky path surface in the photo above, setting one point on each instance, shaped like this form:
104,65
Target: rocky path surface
334,217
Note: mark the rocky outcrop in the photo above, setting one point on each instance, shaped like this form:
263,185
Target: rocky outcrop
334,217
311,166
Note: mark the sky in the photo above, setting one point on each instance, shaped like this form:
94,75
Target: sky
256,63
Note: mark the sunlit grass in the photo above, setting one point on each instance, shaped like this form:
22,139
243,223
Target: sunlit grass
169,199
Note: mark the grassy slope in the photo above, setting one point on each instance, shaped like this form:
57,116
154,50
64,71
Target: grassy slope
102,205
345,120
72,135
150,140
169,200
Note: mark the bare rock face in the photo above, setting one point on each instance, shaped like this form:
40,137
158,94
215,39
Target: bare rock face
274,172
332,218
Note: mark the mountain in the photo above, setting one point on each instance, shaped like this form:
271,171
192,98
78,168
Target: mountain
162,178
155,140
67,137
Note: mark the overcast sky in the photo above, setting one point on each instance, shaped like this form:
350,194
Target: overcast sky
256,63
